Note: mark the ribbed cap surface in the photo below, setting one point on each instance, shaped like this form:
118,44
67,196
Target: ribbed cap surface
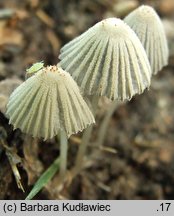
47,102
149,28
108,60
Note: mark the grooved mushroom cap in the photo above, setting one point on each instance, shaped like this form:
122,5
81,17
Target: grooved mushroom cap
147,25
108,60
48,101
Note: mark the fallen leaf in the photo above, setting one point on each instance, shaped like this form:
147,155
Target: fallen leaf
10,36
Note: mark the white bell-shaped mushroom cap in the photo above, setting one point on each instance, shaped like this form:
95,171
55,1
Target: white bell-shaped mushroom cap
147,25
48,101
108,60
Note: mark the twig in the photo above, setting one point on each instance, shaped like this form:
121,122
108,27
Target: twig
14,159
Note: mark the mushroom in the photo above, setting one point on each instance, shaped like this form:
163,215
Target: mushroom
106,60
147,25
49,102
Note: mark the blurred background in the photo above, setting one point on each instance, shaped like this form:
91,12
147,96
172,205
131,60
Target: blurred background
141,131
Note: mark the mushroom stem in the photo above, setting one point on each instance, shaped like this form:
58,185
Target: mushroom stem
63,153
104,125
85,138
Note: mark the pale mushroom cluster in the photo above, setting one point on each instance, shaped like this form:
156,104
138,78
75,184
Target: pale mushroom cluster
114,58
110,59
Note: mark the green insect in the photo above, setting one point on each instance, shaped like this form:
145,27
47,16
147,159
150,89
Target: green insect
35,67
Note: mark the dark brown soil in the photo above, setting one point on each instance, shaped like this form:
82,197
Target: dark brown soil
142,130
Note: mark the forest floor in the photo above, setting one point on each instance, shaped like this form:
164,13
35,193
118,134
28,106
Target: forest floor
141,131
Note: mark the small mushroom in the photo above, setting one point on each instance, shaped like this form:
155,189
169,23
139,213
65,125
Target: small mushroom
147,25
48,101
108,60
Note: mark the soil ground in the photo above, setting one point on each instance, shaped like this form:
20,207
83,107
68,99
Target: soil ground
142,130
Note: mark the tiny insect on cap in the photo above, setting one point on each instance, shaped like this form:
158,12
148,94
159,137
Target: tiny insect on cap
48,101
149,28
35,67
108,60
